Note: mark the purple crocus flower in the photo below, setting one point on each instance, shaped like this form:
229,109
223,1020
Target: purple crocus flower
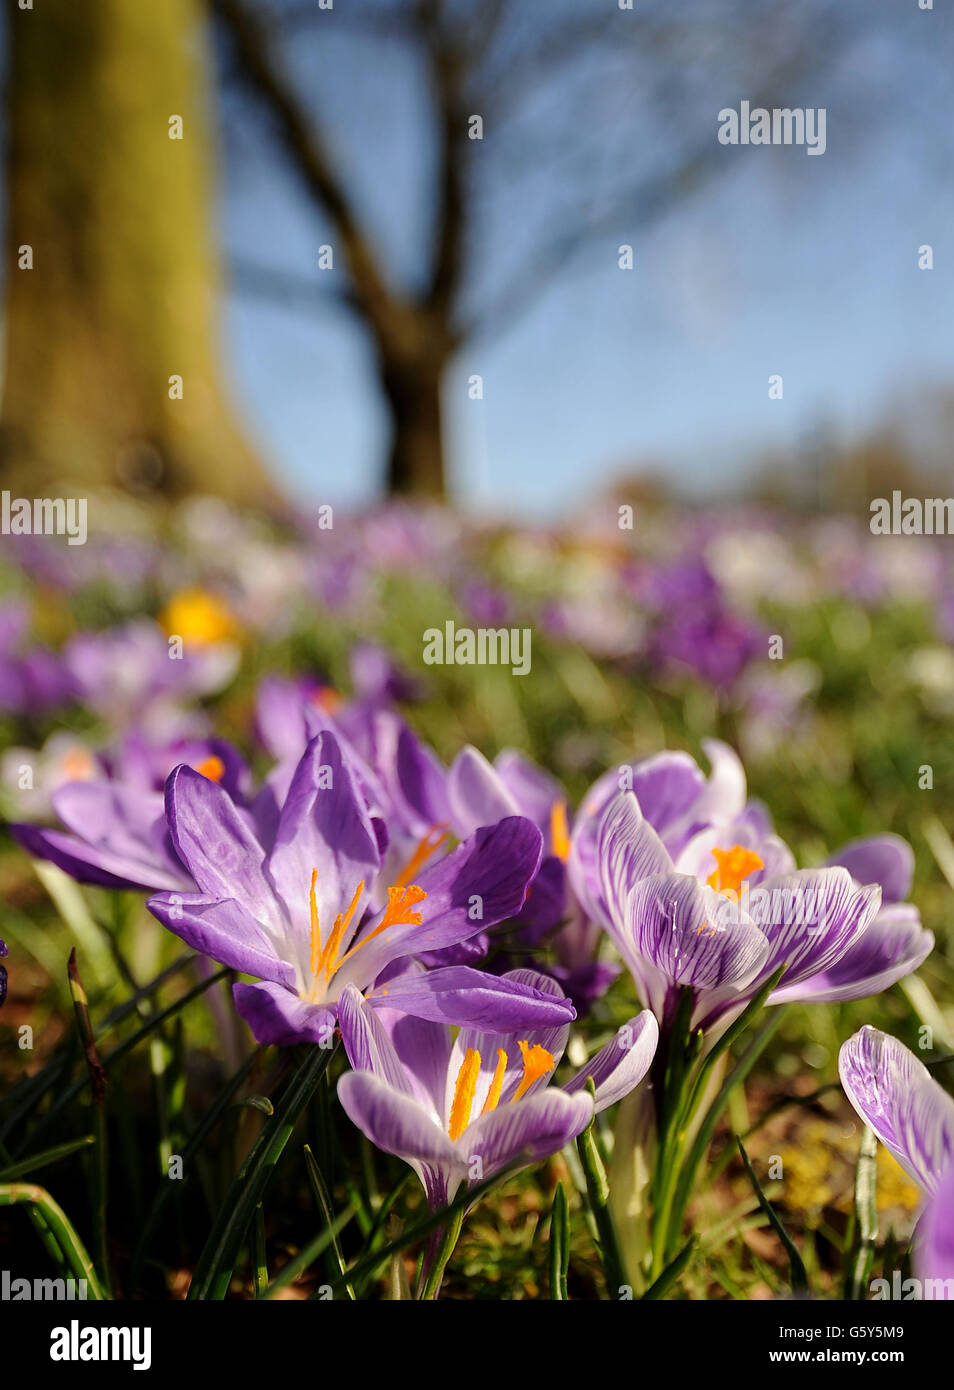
675,930
699,841
115,833
33,679
376,677
291,906
896,1096
458,1109
696,630
126,674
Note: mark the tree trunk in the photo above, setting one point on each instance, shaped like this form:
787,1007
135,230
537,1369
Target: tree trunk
413,393
116,218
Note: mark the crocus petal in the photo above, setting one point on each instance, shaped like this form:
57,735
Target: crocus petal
396,1123
109,813
666,787
476,793
934,1254
628,850
810,919
419,783
480,883
367,1042
546,904
620,1066
470,998
467,952
323,825
280,718
534,790
278,1018
883,859
896,1095
894,945
691,934
723,798
529,1129
217,844
424,1049
225,931
94,864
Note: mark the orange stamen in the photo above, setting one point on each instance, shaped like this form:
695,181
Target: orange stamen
734,866
398,913
464,1093
537,1061
327,962
78,765
426,846
496,1085
559,831
326,698
213,768
315,926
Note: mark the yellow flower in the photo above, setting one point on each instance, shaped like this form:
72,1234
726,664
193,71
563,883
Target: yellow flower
198,617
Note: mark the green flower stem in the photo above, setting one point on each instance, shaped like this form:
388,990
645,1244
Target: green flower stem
448,1239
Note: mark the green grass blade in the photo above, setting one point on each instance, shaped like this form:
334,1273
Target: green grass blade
214,1269
798,1278
26,1166
59,1225
323,1201
671,1273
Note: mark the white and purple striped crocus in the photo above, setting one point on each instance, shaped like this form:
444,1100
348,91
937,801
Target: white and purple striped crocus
290,905
913,1116
696,891
459,1109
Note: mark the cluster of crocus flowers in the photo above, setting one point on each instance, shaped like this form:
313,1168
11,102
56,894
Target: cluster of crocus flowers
913,1116
288,903
357,889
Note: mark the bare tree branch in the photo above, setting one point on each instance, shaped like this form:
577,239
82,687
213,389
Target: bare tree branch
650,198
288,288
385,312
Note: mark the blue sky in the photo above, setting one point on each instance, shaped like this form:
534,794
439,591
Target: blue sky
785,263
